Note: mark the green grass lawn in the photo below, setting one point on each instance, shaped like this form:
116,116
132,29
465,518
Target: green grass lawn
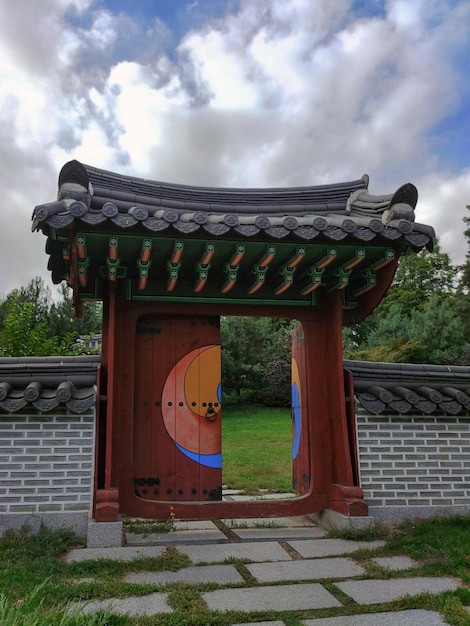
257,449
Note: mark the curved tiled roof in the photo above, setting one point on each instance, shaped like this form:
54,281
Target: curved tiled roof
283,247
408,388
94,197
47,383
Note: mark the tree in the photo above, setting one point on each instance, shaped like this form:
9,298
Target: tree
31,324
61,321
36,293
432,334
22,335
418,277
425,283
256,356
463,288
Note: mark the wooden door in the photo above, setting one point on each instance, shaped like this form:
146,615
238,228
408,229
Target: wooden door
301,473
177,409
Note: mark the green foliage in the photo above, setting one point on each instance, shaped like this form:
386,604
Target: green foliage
431,334
31,324
29,611
61,320
370,532
256,357
418,321
442,544
418,278
22,334
463,289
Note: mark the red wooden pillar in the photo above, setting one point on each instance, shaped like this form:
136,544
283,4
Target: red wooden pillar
329,449
106,504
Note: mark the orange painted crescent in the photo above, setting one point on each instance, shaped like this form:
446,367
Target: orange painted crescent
190,401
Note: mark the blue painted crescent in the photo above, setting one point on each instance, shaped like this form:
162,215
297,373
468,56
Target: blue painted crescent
296,409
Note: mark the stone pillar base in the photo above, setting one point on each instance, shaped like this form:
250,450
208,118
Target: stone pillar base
104,534
333,520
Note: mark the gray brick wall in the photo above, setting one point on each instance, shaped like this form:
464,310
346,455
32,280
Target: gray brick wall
421,463
46,462
409,465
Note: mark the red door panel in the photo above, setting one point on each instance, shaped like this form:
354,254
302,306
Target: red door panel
177,409
301,473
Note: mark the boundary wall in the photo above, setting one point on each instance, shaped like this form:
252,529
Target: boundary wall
413,432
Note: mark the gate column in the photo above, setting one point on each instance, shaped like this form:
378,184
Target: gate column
332,459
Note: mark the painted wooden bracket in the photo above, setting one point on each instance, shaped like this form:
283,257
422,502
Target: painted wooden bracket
341,279
369,281
231,273
359,256
208,254
144,263
297,258
238,256
260,278
287,279
173,272
177,253
82,270
314,280
203,275
113,262
388,257
81,246
329,257
268,257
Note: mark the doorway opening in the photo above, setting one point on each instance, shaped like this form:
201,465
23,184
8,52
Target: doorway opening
258,424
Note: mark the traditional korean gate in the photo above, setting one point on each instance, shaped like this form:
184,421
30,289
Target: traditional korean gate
177,409
163,257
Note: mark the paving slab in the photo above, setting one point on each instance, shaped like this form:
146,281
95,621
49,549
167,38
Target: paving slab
221,574
311,548
269,522
413,617
274,598
115,554
276,623
278,534
178,536
216,553
395,563
267,496
150,604
377,591
314,569
197,524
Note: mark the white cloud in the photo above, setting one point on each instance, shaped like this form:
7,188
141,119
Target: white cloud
279,93
443,199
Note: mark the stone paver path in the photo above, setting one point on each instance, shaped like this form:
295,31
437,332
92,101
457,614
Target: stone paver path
287,566
287,598
379,591
417,617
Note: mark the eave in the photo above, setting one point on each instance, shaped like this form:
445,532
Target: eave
284,246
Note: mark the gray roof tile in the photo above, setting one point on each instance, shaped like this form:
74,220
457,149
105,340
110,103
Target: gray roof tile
127,201
48,382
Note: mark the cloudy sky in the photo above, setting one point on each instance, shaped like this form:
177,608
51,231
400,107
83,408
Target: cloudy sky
246,93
